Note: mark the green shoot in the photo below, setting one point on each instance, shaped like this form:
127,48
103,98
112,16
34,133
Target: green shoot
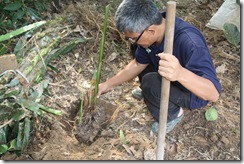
81,108
101,53
50,110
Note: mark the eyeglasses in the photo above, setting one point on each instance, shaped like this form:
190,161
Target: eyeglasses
134,42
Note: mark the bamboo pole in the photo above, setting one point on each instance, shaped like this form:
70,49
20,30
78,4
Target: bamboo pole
165,87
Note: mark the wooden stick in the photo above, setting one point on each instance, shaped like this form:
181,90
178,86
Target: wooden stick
165,87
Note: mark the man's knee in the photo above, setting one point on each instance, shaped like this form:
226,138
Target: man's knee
150,83
150,78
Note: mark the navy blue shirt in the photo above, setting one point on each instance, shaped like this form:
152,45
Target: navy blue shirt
191,49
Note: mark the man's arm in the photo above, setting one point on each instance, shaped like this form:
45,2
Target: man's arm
170,68
128,73
198,85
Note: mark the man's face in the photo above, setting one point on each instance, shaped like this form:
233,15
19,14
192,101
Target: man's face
144,39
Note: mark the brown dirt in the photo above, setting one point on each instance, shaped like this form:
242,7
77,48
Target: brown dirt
193,138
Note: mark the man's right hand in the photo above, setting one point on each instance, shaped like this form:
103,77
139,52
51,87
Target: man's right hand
103,88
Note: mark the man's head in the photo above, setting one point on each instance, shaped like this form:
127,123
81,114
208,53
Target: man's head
134,17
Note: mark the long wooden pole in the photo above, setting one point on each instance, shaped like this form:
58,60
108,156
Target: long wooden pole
165,88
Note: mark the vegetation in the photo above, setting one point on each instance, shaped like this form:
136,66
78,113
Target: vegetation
15,14
18,13
21,90
97,74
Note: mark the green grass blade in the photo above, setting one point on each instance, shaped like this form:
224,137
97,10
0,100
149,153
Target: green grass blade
121,136
81,108
21,30
64,50
13,145
50,110
3,49
91,96
20,136
3,139
31,105
26,137
3,148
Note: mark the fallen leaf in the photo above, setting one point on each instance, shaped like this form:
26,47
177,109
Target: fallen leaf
201,140
221,69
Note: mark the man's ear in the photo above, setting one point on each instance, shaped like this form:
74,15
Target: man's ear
151,29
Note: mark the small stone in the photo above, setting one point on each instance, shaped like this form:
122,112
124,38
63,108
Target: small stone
214,138
8,62
149,154
225,140
214,149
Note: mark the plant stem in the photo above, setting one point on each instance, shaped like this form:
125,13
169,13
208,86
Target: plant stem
50,110
101,53
81,108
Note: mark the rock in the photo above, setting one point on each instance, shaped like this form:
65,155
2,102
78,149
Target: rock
214,138
8,62
201,140
225,140
149,154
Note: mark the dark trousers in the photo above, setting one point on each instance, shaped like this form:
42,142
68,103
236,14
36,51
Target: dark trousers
151,90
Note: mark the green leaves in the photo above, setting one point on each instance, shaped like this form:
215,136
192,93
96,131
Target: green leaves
122,136
2,136
16,112
16,13
65,49
13,6
3,148
3,49
211,114
21,136
238,2
26,133
13,145
20,96
8,113
33,106
232,33
40,6
21,30
33,14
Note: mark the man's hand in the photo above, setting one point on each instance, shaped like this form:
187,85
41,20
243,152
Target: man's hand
169,66
103,88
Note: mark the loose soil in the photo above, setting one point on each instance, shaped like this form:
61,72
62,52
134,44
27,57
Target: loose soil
120,127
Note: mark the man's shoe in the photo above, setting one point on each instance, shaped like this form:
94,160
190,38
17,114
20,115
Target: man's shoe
169,126
137,93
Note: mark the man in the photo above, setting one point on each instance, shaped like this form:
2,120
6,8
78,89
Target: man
189,69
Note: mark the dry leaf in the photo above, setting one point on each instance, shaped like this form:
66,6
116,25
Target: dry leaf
221,69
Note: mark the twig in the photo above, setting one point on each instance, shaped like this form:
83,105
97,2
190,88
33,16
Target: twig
39,53
226,55
20,73
202,128
9,121
7,72
133,114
